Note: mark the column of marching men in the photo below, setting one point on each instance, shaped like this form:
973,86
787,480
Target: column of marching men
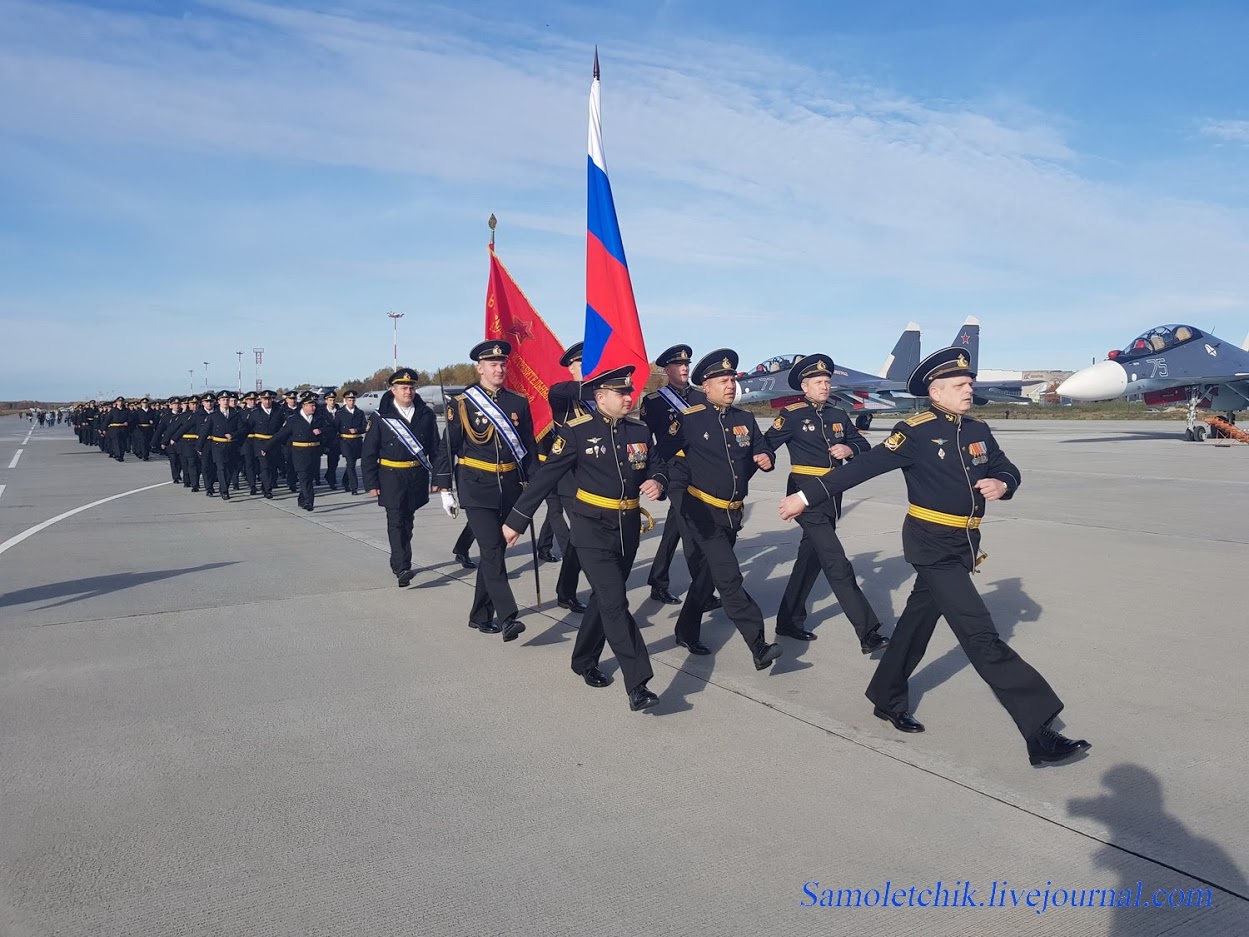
693,448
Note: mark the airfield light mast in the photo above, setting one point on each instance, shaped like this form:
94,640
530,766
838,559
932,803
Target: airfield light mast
395,317
260,355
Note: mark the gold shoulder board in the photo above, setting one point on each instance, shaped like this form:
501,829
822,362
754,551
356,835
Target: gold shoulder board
577,421
795,406
694,409
921,418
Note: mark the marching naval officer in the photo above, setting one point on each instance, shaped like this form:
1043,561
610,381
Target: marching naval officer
398,458
953,466
609,461
820,437
489,435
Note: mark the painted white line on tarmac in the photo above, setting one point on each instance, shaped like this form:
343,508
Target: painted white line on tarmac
31,531
17,455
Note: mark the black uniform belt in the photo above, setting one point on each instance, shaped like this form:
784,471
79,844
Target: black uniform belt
616,504
714,501
945,520
305,445
810,470
497,467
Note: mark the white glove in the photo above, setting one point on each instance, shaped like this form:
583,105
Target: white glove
449,505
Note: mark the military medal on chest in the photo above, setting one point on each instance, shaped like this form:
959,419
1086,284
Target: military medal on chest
596,448
941,451
742,435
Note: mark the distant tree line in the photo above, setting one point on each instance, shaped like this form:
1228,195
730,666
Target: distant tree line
453,375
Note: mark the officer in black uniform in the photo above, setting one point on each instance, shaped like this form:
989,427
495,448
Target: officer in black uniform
142,423
566,404
304,432
399,452
490,473
350,423
661,412
287,462
609,460
244,448
820,439
165,427
188,439
718,448
208,468
953,466
218,437
115,425
330,444
263,423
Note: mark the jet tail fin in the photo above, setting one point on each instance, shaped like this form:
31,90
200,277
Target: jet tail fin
1245,344
968,339
905,356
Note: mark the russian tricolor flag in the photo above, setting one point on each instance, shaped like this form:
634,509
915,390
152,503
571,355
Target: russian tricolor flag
613,334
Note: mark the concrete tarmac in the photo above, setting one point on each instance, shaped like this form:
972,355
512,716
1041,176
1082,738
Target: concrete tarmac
224,719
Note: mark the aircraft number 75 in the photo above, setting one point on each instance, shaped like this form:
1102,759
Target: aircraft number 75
1160,366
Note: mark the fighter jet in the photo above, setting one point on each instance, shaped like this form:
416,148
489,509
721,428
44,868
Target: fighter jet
968,338
1170,364
852,390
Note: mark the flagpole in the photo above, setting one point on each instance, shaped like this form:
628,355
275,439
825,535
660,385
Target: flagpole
493,222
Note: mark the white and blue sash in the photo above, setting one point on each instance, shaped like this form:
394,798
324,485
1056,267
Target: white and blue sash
673,398
490,410
410,442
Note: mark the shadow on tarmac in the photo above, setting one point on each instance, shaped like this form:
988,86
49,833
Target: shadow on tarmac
76,590
1133,813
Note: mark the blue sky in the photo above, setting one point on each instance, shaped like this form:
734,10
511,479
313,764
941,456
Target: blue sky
179,181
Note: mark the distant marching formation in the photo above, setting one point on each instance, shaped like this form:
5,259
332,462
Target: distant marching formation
691,447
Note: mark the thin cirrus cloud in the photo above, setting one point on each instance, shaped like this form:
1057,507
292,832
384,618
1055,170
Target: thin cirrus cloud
341,162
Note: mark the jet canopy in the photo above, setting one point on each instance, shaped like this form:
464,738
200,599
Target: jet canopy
777,364
1159,339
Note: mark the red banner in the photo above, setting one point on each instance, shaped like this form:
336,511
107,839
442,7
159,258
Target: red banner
534,365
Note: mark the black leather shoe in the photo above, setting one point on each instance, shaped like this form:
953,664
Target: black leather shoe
210,493
194,489
405,577
546,556
767,654
490,627
269,495
712,604
464,561
694,647
307,507
512,629
253,492
641,698
797,634
596,678
573,605
1047,746
663,595
873,642
903,721
225,494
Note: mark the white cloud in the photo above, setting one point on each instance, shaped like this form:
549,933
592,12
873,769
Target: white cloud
757,184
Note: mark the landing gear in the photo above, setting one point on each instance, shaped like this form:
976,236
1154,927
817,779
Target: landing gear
1195,431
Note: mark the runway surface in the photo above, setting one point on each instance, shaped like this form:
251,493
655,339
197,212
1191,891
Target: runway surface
223,718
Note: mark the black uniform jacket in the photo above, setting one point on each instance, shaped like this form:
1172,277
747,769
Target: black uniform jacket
477,446
300,433
659,416
941,456
607,460
714,451
566,405
118,419
143,419
382,443
330,436
220,426
810,431
351,424
261,426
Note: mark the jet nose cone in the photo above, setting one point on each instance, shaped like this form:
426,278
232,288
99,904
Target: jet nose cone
1102,381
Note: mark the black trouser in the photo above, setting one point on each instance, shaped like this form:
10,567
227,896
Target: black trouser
674,524
266,465
608,619
404,491
207,467
292,478
307,467
116,437
719,570
331,463
821,548
493,593
351,455
223,463
141,442
948,591
190,463
250,464
175,462
399,533
554,527
465,539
